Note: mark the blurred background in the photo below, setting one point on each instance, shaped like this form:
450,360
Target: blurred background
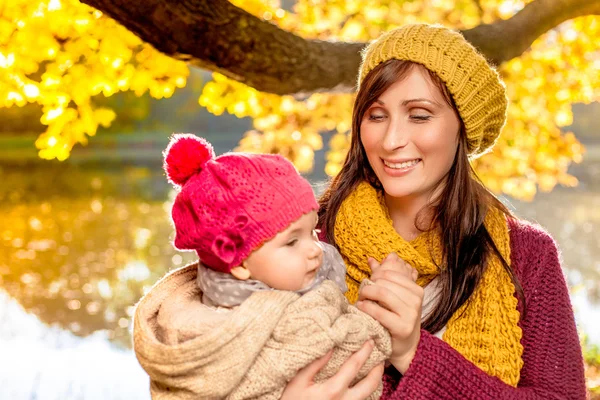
87,108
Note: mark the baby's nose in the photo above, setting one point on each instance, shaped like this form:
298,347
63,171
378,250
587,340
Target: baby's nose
316,250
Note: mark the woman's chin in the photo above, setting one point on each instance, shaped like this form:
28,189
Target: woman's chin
399,190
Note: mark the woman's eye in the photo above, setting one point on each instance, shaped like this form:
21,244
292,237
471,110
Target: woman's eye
376,117
420,117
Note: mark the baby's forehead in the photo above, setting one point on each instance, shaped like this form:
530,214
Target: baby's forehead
308,219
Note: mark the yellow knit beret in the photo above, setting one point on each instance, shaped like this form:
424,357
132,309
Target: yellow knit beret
477,89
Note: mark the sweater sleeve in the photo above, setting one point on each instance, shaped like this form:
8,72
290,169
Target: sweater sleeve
553,362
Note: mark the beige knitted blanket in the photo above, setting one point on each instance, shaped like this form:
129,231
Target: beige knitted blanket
255,349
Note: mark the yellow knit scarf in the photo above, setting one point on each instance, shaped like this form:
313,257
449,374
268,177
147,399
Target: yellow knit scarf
484,330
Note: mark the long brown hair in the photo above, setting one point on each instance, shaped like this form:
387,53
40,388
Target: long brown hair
458,212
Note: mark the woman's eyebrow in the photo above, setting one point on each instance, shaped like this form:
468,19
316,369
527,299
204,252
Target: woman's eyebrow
420,100
407,102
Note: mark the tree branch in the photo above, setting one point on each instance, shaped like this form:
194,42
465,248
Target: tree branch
506,39
218,36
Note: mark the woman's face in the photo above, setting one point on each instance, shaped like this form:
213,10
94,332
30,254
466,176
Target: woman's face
410,136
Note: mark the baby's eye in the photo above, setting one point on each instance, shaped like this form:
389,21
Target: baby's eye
291,243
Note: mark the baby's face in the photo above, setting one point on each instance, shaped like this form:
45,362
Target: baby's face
291,259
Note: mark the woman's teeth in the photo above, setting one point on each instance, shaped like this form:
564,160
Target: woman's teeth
402,165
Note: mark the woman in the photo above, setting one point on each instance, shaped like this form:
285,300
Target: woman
489,315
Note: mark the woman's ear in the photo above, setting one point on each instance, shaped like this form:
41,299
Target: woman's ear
242,273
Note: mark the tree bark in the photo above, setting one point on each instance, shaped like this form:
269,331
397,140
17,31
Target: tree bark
218,36
507,39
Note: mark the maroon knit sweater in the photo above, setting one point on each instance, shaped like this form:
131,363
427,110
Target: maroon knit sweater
553,363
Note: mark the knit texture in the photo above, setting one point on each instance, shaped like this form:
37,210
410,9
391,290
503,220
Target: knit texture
485,329
553,362
252,351
230,205
477,90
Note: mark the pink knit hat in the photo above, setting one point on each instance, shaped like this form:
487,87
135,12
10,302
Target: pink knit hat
230,205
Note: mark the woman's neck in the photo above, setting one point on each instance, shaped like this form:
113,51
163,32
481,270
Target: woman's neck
404,212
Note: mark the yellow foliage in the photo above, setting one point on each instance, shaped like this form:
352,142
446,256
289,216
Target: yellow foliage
282,124
79,53
562,68
60,54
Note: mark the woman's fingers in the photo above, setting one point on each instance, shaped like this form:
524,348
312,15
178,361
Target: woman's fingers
400,325
393,305
308,373
401,282
390,257
385,317
348,371
373,263
394,263
302,386
367,385
389,297
398,266
408,291
389,274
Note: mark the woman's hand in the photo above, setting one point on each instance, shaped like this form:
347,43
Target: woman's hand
395,301
302,386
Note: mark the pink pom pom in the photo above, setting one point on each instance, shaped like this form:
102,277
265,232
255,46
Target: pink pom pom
185,156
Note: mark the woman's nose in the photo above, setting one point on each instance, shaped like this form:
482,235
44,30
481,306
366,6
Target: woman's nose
396,136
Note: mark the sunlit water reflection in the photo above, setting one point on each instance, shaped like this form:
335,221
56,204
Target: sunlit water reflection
80,249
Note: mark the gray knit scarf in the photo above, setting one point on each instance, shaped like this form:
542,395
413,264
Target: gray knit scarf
223,290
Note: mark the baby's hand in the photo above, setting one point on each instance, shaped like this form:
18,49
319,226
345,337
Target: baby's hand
394,263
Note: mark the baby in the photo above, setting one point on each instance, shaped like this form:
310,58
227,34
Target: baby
266,297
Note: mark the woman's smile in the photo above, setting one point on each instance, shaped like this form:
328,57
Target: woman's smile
400,168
